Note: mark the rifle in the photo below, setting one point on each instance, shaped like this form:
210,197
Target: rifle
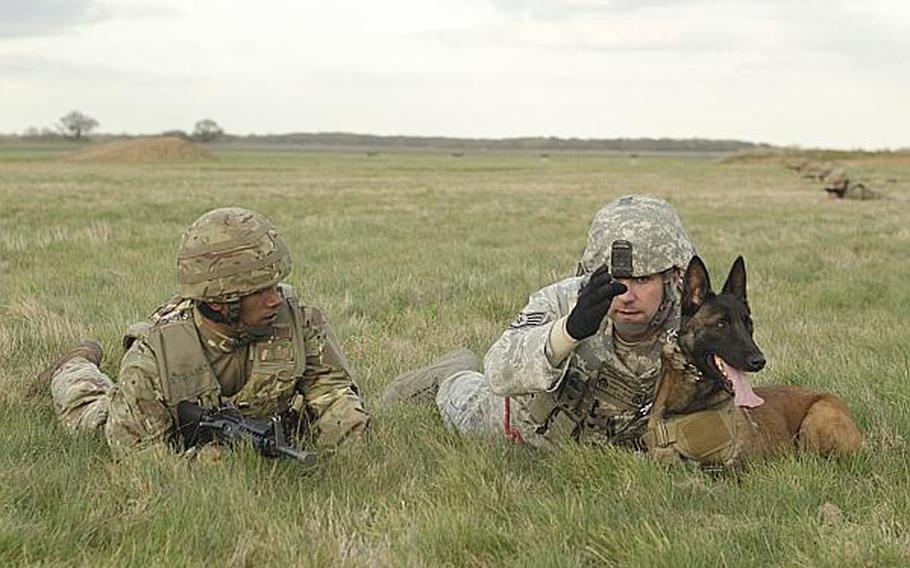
227,426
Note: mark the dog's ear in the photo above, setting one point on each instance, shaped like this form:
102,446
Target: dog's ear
696,286
736,280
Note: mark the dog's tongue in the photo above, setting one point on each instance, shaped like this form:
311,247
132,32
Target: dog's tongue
743,395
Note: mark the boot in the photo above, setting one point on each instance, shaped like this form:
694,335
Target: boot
89,349
420,386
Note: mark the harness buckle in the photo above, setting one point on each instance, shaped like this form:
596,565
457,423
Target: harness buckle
571,395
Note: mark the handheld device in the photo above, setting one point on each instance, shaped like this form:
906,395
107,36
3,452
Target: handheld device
621,259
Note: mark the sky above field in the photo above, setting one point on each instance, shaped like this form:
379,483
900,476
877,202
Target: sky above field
811,73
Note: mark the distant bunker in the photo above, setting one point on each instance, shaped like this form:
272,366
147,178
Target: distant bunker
143,150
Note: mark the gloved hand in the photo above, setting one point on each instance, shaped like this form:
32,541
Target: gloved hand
593,302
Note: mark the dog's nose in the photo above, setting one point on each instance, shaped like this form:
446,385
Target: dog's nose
756,362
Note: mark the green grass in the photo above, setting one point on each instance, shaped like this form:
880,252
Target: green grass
411,255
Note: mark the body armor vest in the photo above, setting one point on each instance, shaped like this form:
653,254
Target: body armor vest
600,399
276,361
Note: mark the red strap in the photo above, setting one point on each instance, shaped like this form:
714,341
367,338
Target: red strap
513,434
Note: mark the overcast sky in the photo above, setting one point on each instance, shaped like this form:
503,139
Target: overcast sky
814,73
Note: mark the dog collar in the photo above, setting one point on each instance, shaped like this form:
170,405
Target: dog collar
680,360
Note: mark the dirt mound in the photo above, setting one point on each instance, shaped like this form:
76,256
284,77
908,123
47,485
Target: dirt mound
139,150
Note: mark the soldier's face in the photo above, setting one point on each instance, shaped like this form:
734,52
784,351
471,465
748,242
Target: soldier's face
640,301
260,309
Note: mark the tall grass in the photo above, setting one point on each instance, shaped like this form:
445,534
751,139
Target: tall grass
411,255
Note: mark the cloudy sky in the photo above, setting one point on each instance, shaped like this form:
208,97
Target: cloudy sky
813,73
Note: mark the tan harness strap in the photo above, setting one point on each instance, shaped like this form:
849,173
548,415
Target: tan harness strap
660,435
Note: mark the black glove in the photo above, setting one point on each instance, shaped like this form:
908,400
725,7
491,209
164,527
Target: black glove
189,429
593,302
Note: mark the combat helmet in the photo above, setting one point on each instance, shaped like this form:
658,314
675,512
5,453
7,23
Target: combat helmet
229,253
658,238
837,180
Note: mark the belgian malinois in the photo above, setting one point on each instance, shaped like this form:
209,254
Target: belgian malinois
705,408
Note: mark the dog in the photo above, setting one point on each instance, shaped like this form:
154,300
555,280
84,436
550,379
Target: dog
705,409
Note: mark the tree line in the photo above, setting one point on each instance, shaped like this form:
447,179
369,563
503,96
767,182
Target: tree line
537,144
77,125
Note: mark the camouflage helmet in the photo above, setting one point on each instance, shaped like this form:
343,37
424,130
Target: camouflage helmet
229,253
837,179
658,238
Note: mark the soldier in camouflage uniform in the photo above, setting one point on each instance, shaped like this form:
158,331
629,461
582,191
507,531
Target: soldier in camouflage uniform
581,360
234,334
836,183
839,185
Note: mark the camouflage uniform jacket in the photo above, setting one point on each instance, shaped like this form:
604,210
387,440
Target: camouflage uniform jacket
299,366
596,394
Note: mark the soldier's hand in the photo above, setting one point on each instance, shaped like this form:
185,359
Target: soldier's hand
594,300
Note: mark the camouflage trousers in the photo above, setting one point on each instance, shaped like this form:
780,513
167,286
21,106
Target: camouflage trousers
81,394
467,404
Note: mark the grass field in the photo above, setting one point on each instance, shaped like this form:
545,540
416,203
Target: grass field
411,255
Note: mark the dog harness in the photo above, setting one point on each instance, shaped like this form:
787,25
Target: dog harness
712,437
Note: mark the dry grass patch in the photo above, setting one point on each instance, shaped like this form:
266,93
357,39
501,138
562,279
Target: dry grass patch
411,255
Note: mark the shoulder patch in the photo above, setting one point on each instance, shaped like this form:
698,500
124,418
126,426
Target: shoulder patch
529,319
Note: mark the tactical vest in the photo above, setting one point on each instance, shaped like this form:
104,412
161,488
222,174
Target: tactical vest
599,399
185,374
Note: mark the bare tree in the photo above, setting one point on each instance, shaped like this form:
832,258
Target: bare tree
76,124
207,130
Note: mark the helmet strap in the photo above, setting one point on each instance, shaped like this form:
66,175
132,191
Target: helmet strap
669,302
241,332
209,312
